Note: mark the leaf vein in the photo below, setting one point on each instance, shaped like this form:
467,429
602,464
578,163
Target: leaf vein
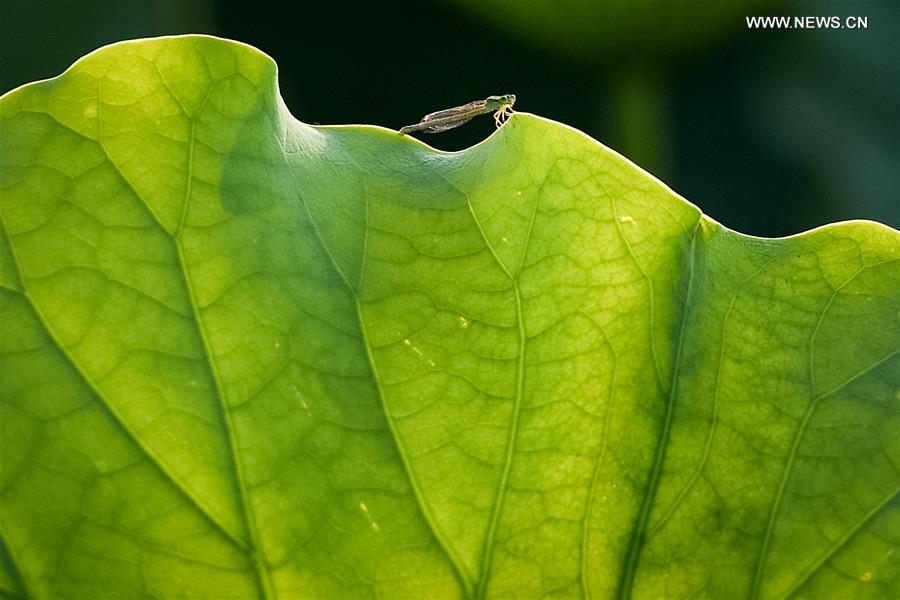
639,533
765,548
503,484
24,578
120,421
695,477
256,557
585,526
840,543
459,571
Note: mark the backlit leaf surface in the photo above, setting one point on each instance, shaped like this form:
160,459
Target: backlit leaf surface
246,357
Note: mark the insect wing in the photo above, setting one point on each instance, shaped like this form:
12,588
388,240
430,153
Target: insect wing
478,105
443,126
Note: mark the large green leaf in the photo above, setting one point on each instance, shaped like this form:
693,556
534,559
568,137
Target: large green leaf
245,357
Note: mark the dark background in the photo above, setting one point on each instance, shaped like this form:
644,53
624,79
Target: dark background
770,132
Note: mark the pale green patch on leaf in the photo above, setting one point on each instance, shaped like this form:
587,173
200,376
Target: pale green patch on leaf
245,357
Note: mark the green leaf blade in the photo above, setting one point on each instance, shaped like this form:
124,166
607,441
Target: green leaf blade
246,357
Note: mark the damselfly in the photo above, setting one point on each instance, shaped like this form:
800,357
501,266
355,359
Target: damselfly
443,120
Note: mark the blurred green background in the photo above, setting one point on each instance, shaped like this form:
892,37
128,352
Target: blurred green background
770,132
